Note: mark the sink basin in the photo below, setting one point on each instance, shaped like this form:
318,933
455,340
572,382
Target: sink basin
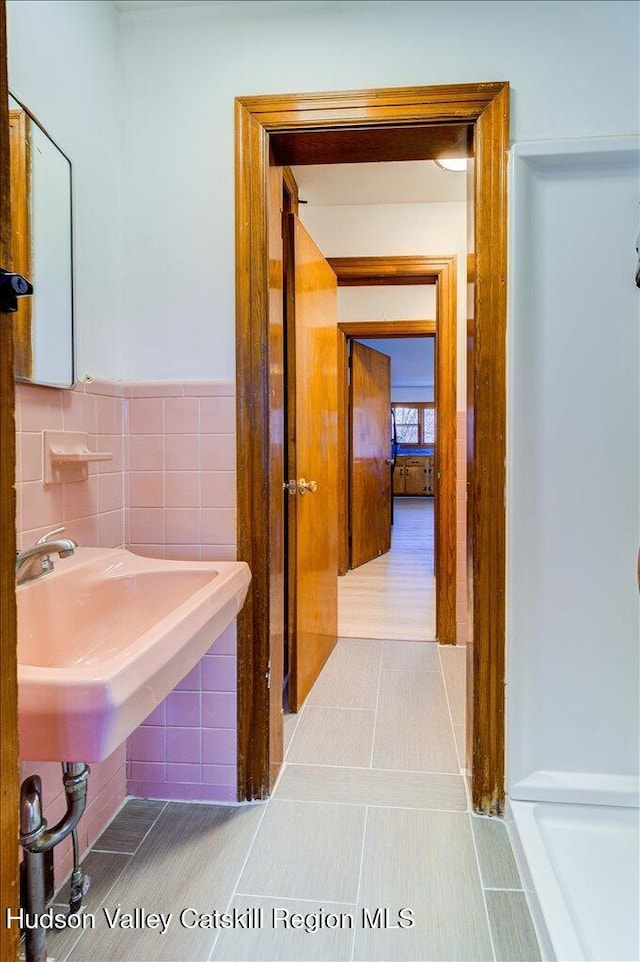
105,637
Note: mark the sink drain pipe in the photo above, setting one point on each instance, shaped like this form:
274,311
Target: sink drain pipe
36,839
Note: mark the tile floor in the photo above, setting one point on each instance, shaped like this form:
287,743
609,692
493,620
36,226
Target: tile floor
369,825
369,817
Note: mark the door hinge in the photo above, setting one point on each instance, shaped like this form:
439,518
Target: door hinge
268,675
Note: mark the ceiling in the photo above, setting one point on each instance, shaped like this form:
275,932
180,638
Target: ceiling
408,182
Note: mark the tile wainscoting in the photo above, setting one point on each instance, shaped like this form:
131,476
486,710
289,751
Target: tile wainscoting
180,491
92,511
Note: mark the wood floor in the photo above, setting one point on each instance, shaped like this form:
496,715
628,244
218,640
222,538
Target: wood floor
394,595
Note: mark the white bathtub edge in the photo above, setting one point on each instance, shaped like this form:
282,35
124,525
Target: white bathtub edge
533,902
542,891
577,787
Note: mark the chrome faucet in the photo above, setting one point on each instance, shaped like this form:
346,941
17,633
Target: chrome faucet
34,562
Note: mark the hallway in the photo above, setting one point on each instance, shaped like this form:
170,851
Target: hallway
393,596
370,812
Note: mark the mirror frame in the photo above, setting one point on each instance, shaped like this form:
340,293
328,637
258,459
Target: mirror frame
21,246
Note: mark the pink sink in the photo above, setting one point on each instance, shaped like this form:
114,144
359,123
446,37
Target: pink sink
105,637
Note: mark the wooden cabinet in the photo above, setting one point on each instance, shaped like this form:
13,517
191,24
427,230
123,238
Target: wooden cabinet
415,481
414,476
398,476
431,475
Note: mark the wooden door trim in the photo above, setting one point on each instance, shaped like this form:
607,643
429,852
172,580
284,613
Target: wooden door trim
374,271
326,146
484,108
292,197
8,632
393,328
486,512
441,271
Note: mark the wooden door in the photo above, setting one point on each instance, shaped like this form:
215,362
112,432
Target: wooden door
313,461
370,450
8,646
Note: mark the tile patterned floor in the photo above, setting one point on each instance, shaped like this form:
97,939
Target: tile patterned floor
368,823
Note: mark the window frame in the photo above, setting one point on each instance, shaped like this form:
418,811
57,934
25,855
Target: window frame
421,407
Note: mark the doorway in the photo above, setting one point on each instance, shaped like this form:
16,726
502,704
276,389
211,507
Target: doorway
414,123
437,273
389,591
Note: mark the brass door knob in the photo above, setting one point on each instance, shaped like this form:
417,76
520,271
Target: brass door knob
304,486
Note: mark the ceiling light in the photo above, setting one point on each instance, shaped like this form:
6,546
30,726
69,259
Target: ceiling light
452,163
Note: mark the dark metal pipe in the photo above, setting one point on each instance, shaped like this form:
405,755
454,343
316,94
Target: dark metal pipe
36,938
36,840
31,824
75,785
79,882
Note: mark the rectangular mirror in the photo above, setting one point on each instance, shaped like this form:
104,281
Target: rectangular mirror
42,250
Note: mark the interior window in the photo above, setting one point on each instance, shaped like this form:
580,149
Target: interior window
415,422
407,424
428,425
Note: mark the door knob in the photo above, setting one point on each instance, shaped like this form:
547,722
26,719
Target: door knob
304,486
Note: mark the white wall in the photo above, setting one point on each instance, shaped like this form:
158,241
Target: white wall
573,68
64,66
411,366
410,303
396,229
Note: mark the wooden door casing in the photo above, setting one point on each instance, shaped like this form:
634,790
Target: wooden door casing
338,127
8,637
369,454
315,347
278,442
